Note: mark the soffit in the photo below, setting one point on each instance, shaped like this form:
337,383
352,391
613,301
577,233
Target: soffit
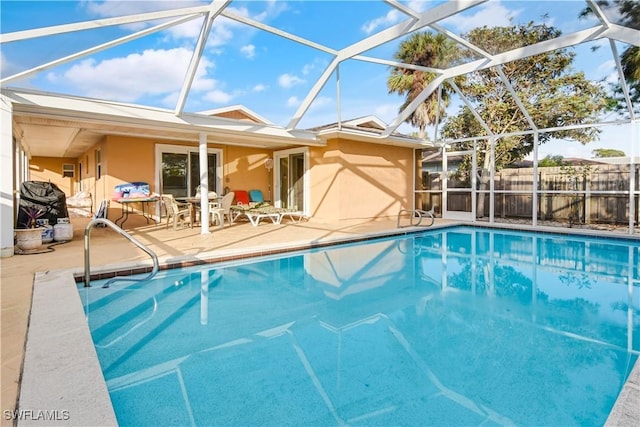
56,126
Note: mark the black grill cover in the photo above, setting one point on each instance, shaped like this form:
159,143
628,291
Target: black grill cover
44,196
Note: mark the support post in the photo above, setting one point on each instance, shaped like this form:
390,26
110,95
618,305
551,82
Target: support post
204,185
6,178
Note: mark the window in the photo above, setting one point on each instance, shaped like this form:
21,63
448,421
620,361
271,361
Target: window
179,170
68,170
98,165
80,176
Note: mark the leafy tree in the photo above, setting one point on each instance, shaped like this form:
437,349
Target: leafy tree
550,161
607,152
427,50
551,92
629,12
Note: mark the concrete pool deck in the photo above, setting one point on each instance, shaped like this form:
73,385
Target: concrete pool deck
30,283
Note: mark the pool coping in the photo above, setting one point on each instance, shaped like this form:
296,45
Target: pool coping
62,382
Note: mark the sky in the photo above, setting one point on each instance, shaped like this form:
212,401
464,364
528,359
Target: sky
242,65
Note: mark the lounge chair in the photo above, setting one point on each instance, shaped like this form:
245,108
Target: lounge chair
256,196
264,210
293,214
260,211
242,197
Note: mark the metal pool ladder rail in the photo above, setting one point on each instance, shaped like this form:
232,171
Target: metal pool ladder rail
87,261
419,215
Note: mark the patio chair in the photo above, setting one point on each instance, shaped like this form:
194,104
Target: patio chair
176,212
213,202
224,209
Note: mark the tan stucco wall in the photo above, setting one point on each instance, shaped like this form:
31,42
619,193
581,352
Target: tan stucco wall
49,169
128,160
357,180
244,169
349,180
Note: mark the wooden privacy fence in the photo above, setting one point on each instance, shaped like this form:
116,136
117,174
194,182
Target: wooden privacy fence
581,194
592,194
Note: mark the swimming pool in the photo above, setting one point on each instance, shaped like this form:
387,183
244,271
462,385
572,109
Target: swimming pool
457,326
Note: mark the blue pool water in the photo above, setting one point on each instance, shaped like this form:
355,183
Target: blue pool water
458,326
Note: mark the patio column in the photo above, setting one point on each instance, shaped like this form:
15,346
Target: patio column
6,178
204,185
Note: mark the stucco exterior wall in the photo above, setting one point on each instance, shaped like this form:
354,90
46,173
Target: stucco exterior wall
355,180
349,180
244,169
49,169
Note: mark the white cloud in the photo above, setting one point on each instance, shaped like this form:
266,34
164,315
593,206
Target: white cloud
259,88
493,12
221,32
386,111
249,51
152,72
289,80
111,8
607,66
320,102
218,96
308,68
6,67
293,101
392,17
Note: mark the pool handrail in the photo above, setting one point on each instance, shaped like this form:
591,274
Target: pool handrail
87,258
419,214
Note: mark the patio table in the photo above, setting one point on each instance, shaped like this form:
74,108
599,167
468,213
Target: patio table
126,203
194,203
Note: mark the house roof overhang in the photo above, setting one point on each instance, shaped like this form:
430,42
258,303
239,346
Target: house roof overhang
372,136
54,125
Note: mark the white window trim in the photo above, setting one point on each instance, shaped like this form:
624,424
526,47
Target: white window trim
186,149
277,155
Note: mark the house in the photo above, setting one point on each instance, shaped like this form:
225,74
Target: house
339,172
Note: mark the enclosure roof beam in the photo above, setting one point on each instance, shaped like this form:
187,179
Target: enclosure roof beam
499,59
215,8
398,64
460,40
404,9
471,107
440,12
515,96
623,81
623,34
599,13
276,31
101,23
96,49
545,130
404,114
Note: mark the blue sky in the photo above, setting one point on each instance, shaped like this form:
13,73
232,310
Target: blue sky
243,65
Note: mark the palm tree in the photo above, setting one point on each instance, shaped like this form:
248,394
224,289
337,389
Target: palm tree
629,15
427,50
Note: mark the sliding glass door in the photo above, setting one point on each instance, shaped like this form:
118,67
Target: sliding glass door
179,170
291,179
